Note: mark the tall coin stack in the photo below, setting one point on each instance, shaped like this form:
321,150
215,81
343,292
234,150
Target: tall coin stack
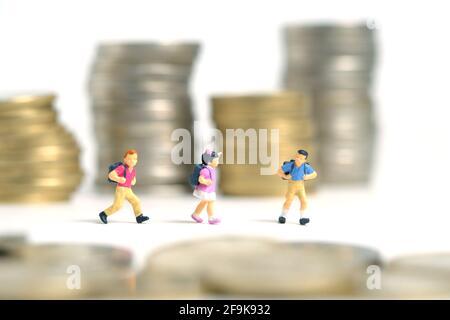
289,112
140,95
335,63
39,158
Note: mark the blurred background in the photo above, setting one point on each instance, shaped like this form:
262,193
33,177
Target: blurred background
368,92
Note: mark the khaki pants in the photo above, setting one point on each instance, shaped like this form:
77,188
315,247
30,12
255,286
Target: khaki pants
123,193
296,188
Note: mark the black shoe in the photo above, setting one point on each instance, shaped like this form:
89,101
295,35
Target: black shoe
141,218
304,221
103,217
281,219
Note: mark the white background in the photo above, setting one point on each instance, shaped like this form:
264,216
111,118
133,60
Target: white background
49,45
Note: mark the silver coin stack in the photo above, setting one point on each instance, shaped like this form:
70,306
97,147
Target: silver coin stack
140,95
335,63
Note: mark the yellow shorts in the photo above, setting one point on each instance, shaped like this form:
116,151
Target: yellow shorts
296,188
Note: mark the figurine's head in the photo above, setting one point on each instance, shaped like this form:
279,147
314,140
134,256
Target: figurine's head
301,156
130,158
211,158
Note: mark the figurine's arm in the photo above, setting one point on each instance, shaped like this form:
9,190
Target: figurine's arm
310,176
134,181
115,177
204,181
281,174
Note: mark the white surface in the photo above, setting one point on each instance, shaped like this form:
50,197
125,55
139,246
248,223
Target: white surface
346,216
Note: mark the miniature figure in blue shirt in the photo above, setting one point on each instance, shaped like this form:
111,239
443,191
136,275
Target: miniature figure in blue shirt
296,172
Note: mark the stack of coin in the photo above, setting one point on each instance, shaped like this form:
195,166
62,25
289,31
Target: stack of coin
255,267
415,276
65,271
39,158
11,241
335,63
407,284
140,95
288,112
164,276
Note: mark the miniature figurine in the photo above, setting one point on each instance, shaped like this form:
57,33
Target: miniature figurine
296,172
124,174
204,181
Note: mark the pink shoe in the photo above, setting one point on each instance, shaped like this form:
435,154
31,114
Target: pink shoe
214,221
196,218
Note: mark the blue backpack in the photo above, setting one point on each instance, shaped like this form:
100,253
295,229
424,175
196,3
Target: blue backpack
114,166
193,180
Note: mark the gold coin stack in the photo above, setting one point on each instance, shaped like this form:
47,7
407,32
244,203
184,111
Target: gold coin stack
289,112
39,158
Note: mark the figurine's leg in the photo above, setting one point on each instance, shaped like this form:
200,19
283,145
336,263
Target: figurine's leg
198,210
289,197
290,194
135,202
201,205
302,197
210,209
118,201
304,219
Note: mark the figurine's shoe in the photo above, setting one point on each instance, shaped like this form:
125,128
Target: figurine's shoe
281,219
141,218
103,217
196,218
304,221
214,221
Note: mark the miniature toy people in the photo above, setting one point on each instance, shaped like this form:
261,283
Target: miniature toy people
124,174
204,181
296,172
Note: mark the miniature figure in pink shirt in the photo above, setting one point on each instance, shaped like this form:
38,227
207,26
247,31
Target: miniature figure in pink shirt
123,174
205,186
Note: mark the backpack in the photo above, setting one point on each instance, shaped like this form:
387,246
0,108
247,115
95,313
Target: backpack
114,166
193,180
292,167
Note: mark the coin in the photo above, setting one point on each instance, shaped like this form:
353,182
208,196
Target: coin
416,276
140,96
404,284
39,157
336,62
65,271
164,276
255,267
14,101
10,241
248,121
438,262
170,53
103,71
295,270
